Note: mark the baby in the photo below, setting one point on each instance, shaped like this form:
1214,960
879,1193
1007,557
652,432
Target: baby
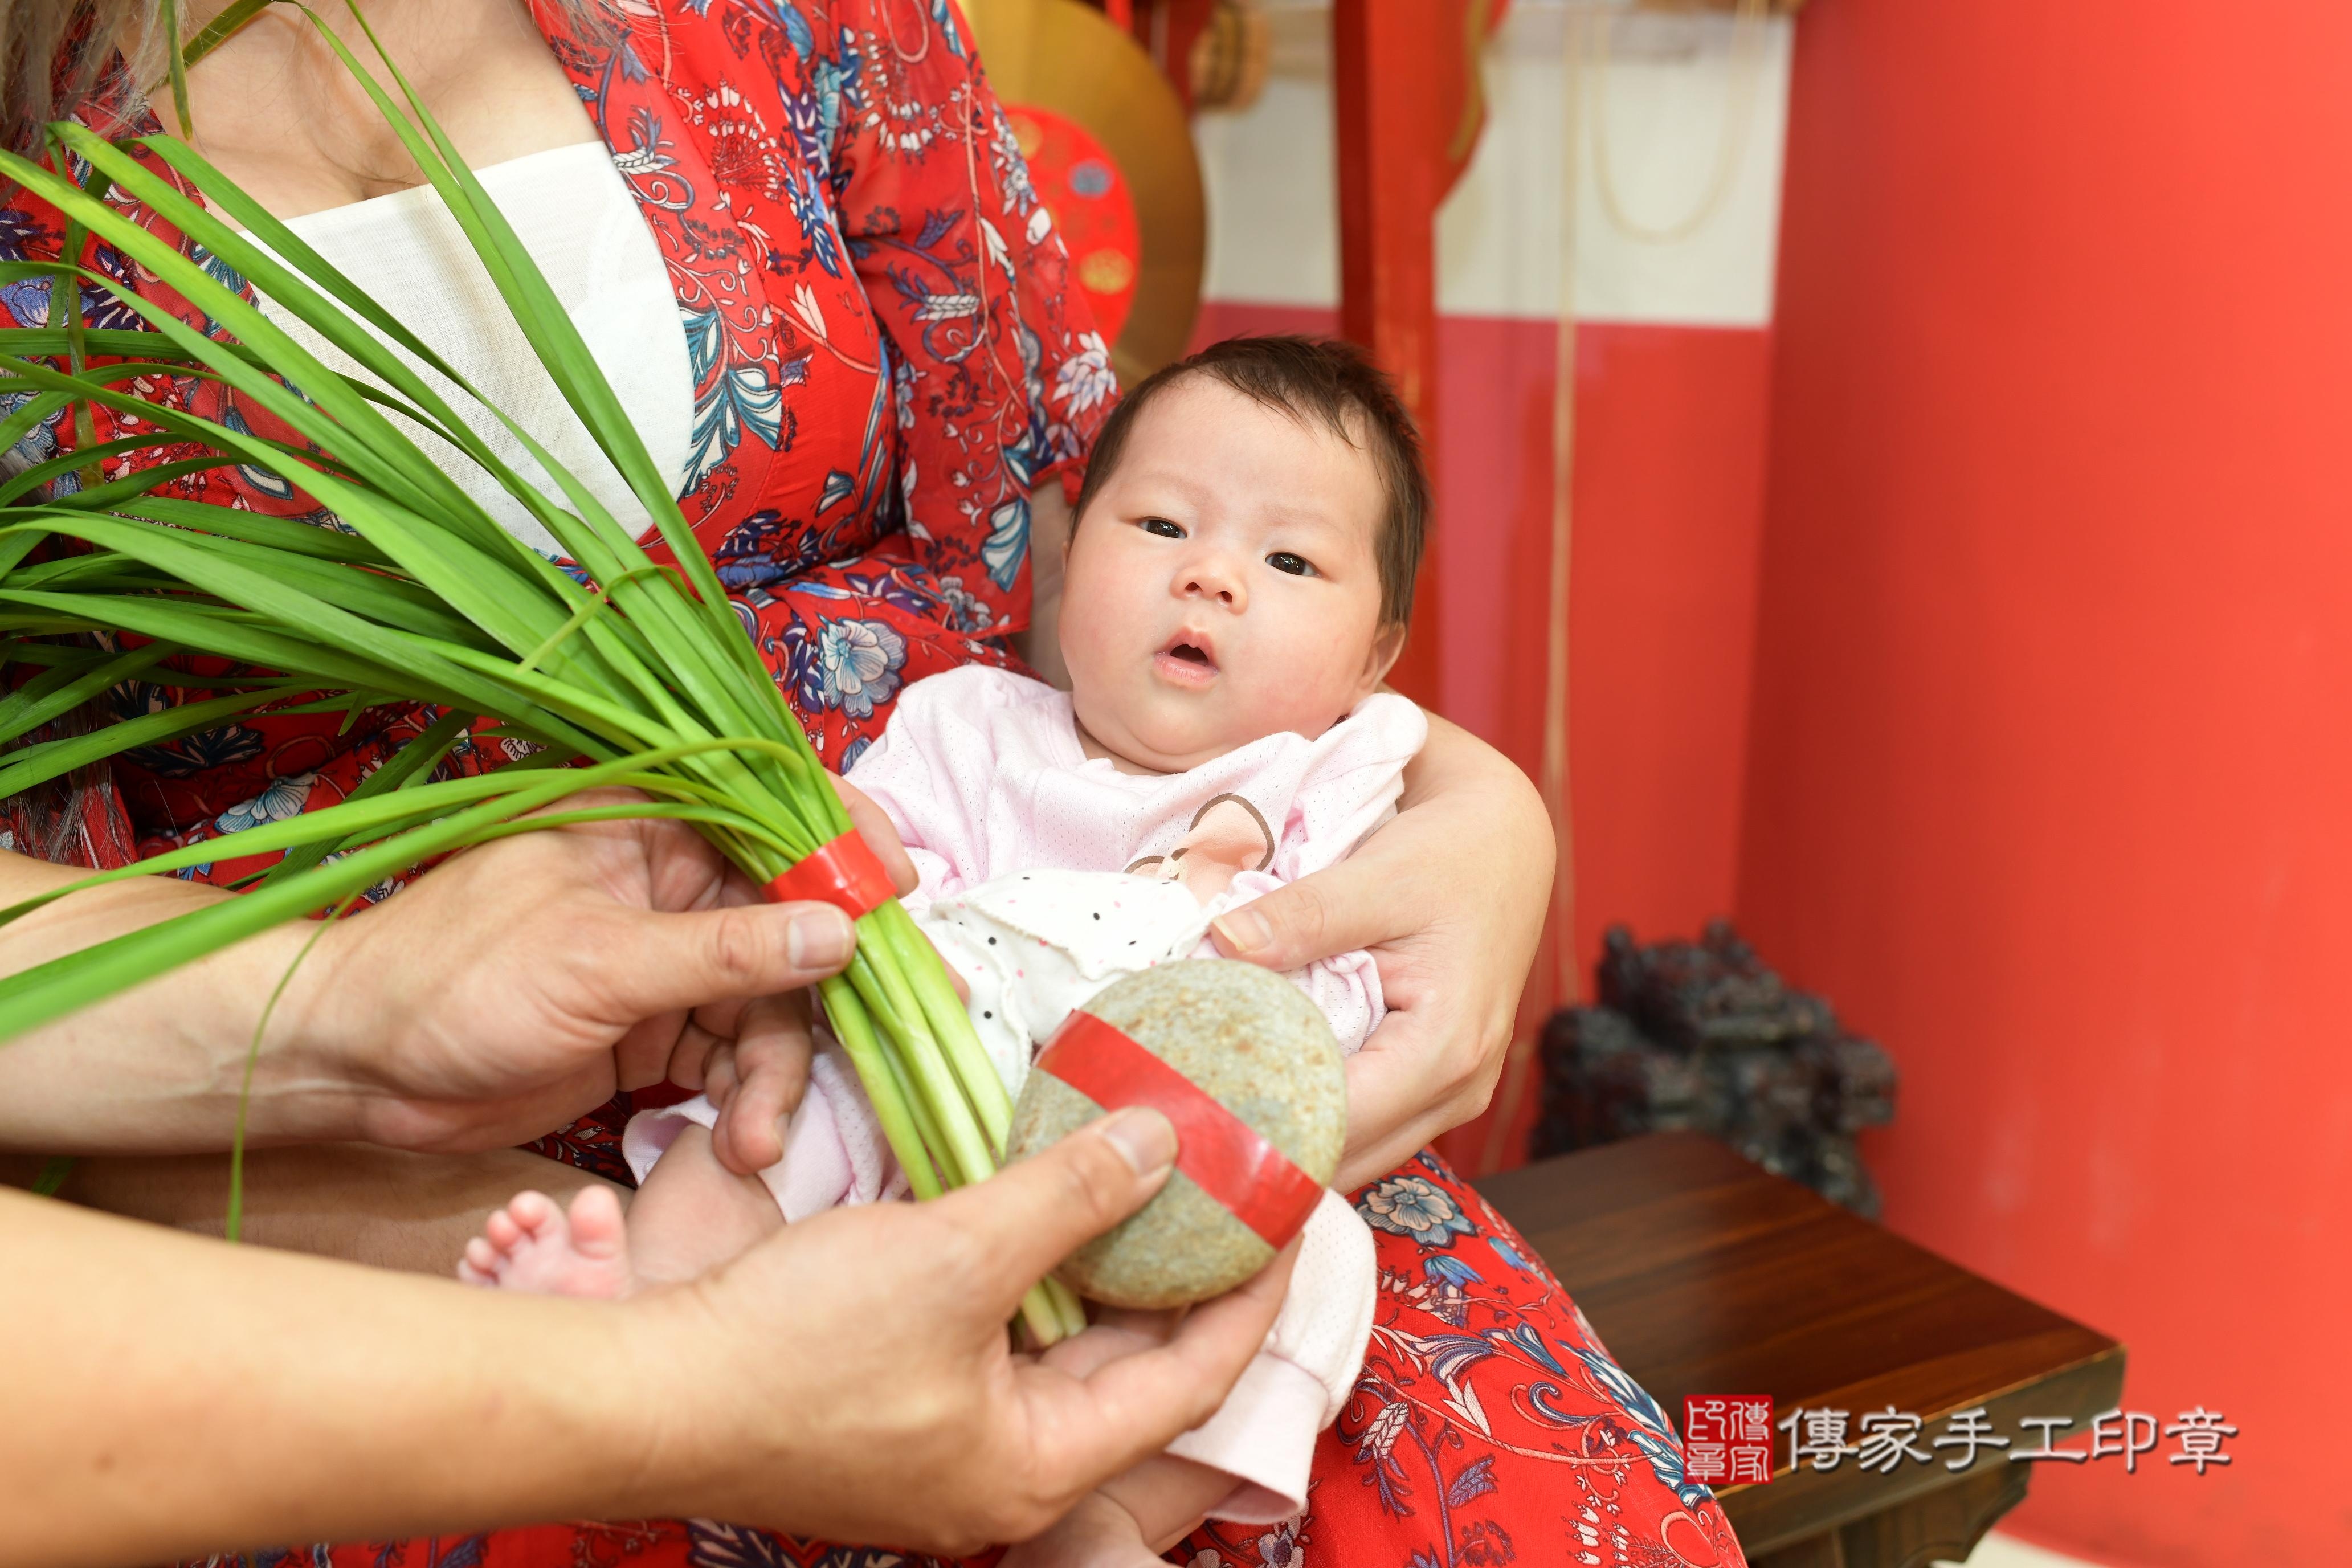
1238,582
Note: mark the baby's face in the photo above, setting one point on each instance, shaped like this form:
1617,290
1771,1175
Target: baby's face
1222,586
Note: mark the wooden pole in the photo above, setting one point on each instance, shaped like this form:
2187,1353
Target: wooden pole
1396,66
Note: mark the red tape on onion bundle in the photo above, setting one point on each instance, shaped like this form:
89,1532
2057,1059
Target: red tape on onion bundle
845,873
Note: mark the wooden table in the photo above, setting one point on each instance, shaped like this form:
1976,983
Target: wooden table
1705,1274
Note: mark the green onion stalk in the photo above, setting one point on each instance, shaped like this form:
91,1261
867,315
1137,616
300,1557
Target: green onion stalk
641,678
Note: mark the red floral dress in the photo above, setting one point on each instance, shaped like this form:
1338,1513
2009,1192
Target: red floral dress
888,359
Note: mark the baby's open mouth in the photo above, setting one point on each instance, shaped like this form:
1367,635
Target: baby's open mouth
1186,662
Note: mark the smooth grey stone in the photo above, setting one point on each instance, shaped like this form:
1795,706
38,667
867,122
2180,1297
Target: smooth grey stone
1252,1042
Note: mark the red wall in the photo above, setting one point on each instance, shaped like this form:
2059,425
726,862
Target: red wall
1670,452
2051,778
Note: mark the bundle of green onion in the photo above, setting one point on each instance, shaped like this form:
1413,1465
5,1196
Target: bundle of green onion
644,680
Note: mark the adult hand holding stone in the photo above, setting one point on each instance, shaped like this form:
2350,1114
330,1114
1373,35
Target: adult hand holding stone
849,1376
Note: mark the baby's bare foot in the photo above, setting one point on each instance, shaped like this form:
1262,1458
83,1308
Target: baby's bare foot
531,1244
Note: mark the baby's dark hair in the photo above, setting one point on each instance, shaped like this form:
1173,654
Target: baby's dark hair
1331,383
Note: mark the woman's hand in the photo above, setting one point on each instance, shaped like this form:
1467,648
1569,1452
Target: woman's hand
505,992
1450,899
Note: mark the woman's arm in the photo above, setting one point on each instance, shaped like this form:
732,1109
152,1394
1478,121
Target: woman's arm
1450,897
177,1394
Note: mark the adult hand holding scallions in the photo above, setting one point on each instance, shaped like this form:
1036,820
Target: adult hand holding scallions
639,679
562,966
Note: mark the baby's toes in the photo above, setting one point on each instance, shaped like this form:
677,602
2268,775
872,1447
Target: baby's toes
489,1256
533,1215
480,1266
528,1224
599,1234
531,1244
504,1231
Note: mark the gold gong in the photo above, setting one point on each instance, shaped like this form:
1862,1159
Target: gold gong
1064,56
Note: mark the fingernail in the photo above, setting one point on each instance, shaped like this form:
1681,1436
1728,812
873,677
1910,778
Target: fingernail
819,938
1245,931
1144,1138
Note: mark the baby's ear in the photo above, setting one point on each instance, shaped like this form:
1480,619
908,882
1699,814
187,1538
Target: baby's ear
1386,646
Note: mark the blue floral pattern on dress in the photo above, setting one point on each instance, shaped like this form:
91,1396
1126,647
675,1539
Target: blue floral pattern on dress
861,660
283,799
1414,1206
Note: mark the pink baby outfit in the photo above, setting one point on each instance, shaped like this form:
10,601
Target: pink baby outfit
1045,876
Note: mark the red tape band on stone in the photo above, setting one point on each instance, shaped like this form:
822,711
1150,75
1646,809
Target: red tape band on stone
845,873
1226,1158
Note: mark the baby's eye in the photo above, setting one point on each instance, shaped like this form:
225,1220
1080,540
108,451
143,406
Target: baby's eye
1296,565
1163,527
